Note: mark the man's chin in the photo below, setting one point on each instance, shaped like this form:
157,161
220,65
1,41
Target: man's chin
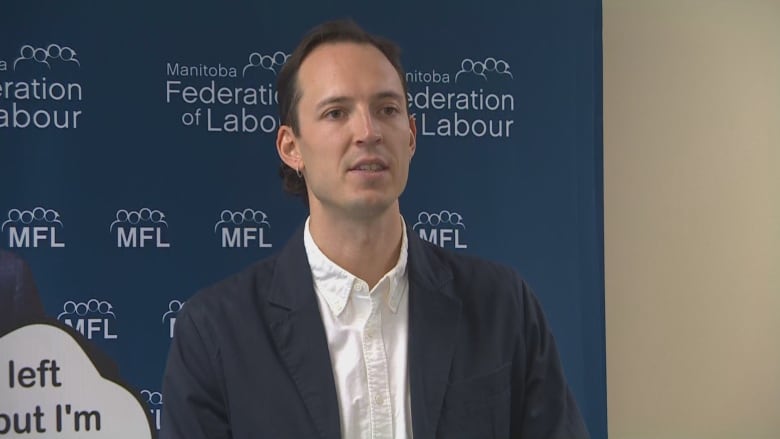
371,207
365,205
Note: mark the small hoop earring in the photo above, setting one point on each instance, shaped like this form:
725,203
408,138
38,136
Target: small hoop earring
298,172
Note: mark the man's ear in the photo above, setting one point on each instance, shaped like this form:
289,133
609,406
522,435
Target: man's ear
412,135
287,147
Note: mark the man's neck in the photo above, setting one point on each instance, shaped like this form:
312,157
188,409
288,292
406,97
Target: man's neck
367,248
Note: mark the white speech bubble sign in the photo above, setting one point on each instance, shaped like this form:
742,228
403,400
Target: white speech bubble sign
50,389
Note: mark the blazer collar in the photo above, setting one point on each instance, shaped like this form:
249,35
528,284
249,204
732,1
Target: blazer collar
296,327
434,315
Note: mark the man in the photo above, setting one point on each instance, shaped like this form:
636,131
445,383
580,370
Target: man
358,328
19,300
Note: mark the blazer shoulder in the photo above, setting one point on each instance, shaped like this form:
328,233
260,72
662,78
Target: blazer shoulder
474,280
475,269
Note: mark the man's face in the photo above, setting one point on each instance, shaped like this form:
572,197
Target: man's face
355,138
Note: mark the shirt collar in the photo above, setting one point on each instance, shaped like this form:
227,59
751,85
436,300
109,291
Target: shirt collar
335,283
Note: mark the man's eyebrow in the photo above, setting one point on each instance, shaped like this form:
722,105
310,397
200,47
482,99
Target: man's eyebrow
332,100
389,94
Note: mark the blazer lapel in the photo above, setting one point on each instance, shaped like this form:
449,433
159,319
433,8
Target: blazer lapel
296,326
434,314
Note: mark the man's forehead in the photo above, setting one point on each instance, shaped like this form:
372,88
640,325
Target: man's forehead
328,63
326,51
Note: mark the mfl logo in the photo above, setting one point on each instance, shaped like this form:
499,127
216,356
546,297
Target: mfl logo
243,229
272,63
443,228
174,306
46,56
143,228
154,401
33,228
483,68
91,318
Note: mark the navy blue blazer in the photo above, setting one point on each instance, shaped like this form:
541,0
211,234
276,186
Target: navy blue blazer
249,357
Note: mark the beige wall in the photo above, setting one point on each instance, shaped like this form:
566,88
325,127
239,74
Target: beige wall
692,218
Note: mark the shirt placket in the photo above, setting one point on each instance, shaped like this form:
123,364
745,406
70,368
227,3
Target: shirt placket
376,368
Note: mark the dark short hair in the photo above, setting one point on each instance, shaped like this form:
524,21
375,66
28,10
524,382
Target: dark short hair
289,95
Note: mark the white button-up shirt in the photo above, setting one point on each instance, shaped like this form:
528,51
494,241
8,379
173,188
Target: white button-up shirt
367,337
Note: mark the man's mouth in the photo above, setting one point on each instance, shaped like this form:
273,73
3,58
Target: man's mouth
369,167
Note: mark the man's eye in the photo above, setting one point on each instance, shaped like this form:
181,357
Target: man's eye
390,110
334,114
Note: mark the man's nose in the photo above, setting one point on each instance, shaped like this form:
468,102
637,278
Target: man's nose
367,129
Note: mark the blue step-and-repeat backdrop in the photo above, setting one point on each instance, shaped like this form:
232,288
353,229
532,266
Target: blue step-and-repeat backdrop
138,165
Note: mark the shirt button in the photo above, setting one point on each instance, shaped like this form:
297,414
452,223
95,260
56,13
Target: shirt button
379,400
